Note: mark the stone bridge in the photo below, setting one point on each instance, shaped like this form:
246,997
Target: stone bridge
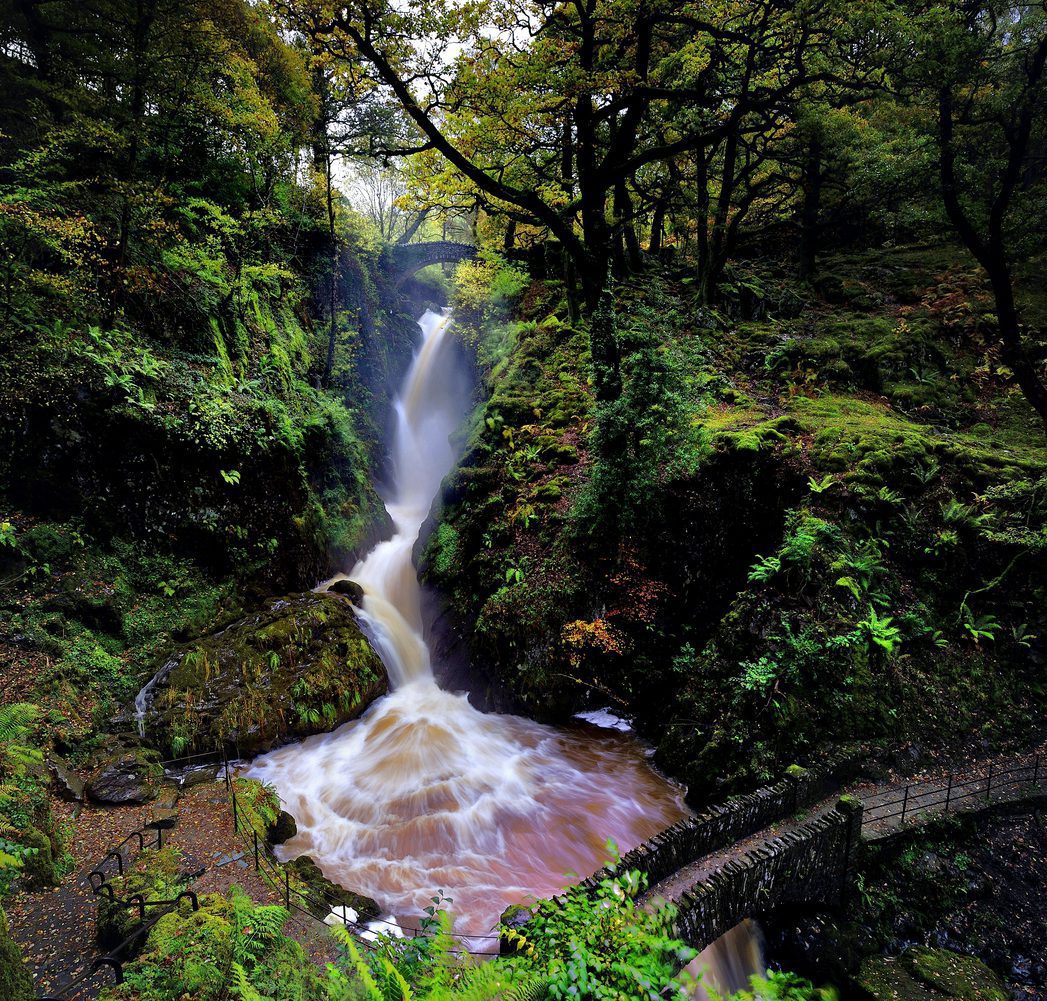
403,260
796,842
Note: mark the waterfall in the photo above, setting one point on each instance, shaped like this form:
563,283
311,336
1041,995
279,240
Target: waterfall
424,792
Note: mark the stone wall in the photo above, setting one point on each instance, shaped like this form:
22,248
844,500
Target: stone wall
812,864
718,827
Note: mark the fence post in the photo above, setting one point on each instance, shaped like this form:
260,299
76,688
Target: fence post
236,825
255,833
948,793
988,783
905,803
287,887
159,838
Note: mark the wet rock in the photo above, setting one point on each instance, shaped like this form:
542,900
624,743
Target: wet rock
298,666
69,785
348,589
131,776
198,776
322,895
514,918
283,830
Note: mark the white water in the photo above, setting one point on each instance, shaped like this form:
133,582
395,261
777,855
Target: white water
424,792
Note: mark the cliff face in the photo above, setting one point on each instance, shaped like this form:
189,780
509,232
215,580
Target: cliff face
797,538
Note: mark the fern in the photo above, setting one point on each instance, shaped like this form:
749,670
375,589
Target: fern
242,987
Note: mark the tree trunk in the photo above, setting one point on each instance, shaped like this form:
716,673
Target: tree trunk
812,196
654,245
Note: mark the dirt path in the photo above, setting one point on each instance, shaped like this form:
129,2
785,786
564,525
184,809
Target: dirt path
56,929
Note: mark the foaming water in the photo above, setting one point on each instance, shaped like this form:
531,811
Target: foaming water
424,792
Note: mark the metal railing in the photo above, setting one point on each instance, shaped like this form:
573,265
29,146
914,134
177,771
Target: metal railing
955,794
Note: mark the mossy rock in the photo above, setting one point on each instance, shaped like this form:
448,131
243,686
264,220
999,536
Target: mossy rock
16,983
126,775
921,974
322,894
156,875
299,666
39,869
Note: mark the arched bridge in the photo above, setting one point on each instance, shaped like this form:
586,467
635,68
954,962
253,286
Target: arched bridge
404,260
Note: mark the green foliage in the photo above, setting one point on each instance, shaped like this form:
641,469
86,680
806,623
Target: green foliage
229,942
601,945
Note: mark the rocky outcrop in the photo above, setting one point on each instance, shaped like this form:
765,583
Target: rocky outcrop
126,775
323,896
298,666
920,974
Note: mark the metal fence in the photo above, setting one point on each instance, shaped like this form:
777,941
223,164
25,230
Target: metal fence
955,794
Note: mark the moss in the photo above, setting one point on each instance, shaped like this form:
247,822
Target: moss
16,983
154,874
299,666
189,954
921,974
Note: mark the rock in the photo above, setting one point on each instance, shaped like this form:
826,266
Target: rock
323,896
283,830
16,982
299,666
514,917
69,785
921,974
163,820
198,776
127,777
348,589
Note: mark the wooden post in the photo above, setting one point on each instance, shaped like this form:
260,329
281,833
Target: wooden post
287,887
255,833
236,825
905,803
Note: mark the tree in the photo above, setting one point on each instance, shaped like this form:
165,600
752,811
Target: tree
552,108
984,65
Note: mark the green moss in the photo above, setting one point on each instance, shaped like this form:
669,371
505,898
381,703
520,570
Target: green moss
921,974
190,954
154,875
16,983
299,666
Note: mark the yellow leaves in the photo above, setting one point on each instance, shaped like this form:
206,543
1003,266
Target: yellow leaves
582,638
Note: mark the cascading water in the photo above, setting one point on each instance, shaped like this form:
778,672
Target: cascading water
424,792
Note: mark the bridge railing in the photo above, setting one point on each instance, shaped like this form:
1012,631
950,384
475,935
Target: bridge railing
955,793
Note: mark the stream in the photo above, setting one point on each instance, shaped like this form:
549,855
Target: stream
425,793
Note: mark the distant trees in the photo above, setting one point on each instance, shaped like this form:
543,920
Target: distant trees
552,110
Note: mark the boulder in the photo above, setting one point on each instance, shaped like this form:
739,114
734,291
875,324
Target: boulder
126,776
348,589
298,666
69,785
282,830
323,896
921,974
